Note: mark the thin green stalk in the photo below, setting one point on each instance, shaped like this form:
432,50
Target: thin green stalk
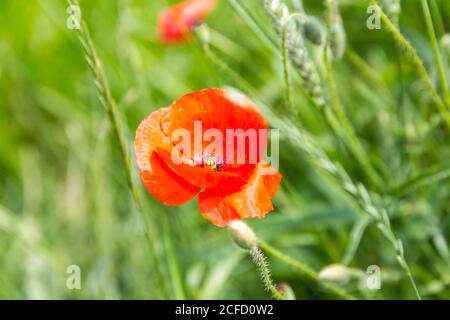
225,44
355,238
354,143
226,69
106,99
287,83
251,22
440,27
238,80
172,262
307,273
409,50
405,266
436,51
261,263
424,179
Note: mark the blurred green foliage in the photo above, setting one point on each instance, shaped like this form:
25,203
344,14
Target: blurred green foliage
64,199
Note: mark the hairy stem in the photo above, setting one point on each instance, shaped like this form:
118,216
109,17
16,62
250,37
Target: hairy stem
263,266
307,273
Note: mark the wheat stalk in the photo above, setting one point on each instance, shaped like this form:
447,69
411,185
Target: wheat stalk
297,50
291,38
108,102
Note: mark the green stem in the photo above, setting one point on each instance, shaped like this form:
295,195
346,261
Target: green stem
261,263
225,44
107,100
355,238
347,129
287,84
403,43
384,225
226,69
440,27
251,22
307,273
411,278
436,51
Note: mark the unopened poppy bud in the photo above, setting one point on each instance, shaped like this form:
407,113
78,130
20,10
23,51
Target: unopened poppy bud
201,32
337,40
313,30
336,273
242,234
285,290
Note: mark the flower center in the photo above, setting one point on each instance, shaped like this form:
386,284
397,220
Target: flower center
210,162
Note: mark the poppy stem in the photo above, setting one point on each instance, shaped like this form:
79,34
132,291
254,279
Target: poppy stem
307,273
263,266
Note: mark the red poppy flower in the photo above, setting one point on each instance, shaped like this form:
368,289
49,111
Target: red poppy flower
176,22
228,173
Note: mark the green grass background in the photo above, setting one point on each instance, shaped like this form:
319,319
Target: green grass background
64,198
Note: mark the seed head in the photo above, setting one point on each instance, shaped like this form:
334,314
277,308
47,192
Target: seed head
313,30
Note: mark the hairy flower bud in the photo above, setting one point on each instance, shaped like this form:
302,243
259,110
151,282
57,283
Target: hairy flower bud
242,234
286,291
201,32
313,30
336,273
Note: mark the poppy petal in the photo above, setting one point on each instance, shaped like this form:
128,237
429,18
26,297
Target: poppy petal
166,185
254,199
220,110
158,178
176,22
215,108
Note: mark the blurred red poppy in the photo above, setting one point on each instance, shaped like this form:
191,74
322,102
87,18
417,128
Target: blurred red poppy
176,22
228,189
